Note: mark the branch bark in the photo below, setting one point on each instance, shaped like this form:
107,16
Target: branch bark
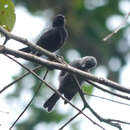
66,67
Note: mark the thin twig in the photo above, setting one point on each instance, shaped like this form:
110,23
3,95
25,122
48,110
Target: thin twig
37,76
101,119
36,92
6,39
107,99
21,77
80,91
71,119
119,121
117,29
5,112
105,90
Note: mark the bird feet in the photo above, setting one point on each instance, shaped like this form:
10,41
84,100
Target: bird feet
61,59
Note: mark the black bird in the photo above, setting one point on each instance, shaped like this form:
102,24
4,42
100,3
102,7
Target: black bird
53,39
67,84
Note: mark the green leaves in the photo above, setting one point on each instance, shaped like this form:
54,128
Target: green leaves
7,14
88,89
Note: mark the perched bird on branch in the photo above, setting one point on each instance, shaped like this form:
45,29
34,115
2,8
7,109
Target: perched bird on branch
53,39
67,83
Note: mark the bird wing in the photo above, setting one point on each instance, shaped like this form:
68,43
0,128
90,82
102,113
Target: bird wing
50,40
45,36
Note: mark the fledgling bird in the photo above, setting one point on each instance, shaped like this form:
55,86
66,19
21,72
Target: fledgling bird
53,39
67,84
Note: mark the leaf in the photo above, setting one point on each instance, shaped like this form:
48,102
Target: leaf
7,14
88,89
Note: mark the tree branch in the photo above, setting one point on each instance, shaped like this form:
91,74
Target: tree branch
8,35
36,92
117,29
45,52
105,90
71,119
103,98
111,122
80,91
66,67
21,77
37,76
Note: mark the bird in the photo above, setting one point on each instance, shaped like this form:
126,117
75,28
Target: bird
67,84
53,39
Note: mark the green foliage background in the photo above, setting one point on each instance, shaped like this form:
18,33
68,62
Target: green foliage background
86,22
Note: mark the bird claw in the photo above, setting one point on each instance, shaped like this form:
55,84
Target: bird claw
61,59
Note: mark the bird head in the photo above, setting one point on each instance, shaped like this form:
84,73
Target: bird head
58,21
88,62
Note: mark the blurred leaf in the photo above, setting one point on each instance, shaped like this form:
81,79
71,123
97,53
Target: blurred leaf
7,14
40,115
88,89
75,125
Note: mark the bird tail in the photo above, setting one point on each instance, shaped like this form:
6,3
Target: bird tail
26,49
49,104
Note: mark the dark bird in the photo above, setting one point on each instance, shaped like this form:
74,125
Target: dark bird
53,39
67,84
